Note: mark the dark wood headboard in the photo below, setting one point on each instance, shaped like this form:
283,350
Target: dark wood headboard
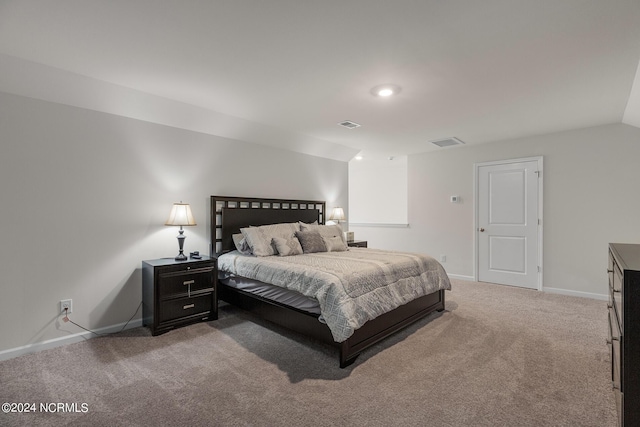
230,214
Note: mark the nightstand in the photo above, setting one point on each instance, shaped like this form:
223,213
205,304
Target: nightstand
175,293
357,243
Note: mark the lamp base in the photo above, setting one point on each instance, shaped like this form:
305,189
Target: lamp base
181,256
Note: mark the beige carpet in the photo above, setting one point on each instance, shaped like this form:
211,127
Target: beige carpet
498,356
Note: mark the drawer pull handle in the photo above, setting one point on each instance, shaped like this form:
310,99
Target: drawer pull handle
188,306
616,386
189,283
609,306
610,341
617,291
609,271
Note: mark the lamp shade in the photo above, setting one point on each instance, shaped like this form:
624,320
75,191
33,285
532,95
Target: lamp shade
181,215
337,214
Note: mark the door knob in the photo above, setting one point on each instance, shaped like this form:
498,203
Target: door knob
481,230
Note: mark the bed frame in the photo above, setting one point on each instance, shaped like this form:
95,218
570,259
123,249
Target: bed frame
229,214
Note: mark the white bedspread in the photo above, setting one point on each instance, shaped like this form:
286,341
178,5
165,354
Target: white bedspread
351,287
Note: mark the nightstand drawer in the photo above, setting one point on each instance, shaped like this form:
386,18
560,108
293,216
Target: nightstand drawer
185,282
183,308
176,293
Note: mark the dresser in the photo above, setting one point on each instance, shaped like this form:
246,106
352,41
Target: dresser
175,293
624,330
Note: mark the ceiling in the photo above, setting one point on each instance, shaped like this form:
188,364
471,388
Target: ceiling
286,72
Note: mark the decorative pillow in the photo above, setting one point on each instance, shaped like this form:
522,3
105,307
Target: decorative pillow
287,247
311,241
260,238
303,224
241,244
325,230
335,244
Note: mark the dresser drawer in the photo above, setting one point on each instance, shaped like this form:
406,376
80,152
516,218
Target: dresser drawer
617,295
619,395
183,308
619,405
614,341
185,282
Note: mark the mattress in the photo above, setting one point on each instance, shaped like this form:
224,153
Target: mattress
272,292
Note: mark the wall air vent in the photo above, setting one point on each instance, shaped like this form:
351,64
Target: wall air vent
349,124
447,142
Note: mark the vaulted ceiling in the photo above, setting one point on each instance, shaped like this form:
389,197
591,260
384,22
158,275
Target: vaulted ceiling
286,72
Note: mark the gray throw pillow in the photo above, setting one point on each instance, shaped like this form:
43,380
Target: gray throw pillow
287,247
311,241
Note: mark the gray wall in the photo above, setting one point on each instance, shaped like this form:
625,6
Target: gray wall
591,187
85,196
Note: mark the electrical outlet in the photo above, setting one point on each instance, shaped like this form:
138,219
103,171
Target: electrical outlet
66,303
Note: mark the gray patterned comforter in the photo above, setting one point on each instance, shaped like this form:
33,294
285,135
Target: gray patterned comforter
351,287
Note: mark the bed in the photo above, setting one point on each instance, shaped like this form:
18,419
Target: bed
307,305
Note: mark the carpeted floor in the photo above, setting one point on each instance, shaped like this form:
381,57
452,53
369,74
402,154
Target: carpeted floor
497,356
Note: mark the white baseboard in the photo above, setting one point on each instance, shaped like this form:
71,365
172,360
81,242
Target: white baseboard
70,339
603,297
560,291
461,277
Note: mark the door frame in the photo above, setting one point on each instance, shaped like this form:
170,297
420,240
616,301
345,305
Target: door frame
476,248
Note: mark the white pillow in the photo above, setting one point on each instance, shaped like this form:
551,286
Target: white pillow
260,239
335,244
303,224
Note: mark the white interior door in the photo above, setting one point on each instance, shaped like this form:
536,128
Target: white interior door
508,232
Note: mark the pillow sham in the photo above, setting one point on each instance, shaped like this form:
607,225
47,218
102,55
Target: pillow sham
302,224
335,244
241,244
325,230
311,241
287,247
260,239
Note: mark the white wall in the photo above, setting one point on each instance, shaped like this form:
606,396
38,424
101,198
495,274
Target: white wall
590,199
84,198
378,190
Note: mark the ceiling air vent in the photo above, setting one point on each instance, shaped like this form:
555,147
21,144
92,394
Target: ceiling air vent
349,124
447,142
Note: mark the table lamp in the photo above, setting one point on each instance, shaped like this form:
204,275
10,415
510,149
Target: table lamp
337,214
181,215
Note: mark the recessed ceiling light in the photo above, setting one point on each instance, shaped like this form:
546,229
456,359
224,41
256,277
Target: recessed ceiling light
385,91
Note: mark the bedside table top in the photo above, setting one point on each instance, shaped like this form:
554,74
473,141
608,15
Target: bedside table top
171,261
